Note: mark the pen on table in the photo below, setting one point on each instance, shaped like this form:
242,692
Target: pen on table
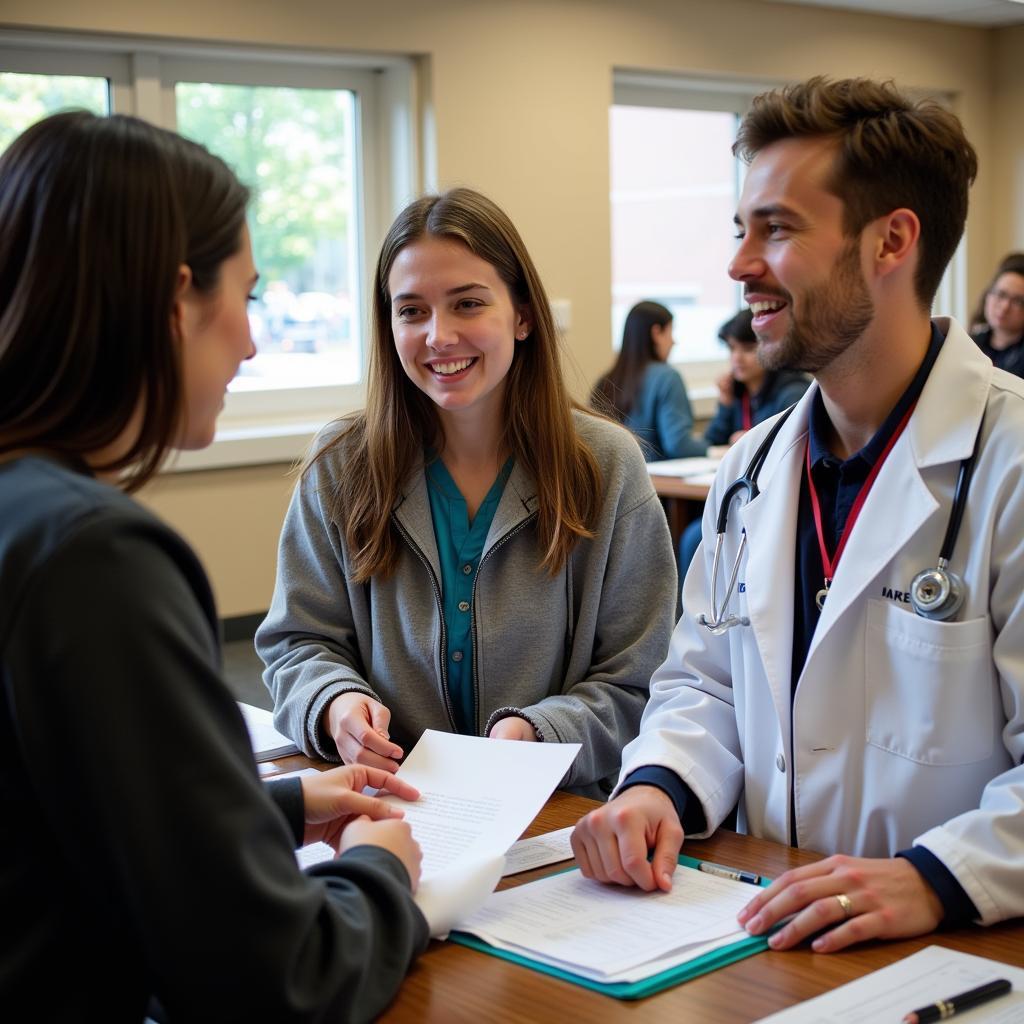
721,871
943,1009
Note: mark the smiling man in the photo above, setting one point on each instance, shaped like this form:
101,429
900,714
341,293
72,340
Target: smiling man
837,716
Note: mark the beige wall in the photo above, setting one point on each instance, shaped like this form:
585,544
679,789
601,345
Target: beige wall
519,95
1008,132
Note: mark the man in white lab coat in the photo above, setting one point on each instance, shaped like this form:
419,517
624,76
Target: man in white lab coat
836,717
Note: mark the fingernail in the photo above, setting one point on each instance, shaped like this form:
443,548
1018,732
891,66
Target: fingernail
755,925
743,915
776,940
818,945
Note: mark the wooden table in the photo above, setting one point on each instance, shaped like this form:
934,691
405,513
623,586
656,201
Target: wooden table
683,501
454,983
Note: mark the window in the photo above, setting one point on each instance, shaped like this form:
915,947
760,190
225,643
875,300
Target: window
307,132
674,189
26,98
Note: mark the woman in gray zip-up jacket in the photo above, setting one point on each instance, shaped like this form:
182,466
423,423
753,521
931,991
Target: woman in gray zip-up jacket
558,652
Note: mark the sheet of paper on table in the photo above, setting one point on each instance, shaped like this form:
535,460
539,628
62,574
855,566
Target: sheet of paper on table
524,855
539,851
267,742
612,934
685,468
915,981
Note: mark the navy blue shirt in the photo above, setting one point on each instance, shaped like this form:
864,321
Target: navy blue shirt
837,482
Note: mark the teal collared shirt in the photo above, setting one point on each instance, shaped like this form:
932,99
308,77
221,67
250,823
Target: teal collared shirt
459,547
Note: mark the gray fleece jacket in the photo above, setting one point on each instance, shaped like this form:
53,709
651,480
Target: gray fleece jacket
573,654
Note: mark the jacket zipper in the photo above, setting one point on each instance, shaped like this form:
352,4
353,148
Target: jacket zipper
440,611
472,601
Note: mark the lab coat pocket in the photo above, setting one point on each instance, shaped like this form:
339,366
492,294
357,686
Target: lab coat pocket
929,686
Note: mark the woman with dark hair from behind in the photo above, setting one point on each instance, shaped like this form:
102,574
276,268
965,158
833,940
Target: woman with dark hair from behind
998,322
151,869
748,393
644,392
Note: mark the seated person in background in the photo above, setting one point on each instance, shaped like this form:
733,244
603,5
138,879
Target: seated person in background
462,555
749,393
646,394
841,713
999,332
145,857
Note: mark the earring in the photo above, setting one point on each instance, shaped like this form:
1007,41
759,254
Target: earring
521,336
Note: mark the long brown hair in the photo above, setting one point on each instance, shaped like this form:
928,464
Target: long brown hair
615,393
891,153
384,443
98,214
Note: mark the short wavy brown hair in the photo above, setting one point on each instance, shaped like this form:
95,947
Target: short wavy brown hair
892,153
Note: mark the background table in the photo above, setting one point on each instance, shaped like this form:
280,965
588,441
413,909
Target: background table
683,502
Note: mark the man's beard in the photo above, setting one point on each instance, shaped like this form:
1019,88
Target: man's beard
833,315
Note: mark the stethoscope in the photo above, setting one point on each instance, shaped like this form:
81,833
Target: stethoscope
934,593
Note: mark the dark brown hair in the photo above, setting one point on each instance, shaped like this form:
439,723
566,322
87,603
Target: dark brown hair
740,327
98,214
615,393
384,443
891,154
1011,263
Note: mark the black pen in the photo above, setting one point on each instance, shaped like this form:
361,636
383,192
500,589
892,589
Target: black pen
721,871
946,1008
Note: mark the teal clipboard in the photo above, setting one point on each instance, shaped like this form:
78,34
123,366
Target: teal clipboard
646,986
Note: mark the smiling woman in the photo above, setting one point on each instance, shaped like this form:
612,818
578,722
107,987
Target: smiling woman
455,557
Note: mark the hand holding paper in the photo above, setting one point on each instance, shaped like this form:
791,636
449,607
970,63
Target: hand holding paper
477,797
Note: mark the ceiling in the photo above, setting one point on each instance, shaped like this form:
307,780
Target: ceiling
962,12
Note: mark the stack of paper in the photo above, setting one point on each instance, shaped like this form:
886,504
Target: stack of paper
267,742
687,469
609,934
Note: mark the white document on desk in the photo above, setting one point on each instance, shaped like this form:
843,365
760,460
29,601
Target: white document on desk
539,851
267,743
915,981
609,933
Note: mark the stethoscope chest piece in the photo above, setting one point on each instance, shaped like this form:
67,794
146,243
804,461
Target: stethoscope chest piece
936,593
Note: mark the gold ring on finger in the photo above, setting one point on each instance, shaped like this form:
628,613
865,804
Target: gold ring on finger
845,903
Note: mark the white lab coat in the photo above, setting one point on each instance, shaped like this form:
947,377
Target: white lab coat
903,730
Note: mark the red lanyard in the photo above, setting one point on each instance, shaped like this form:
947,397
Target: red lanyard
829,565
745,404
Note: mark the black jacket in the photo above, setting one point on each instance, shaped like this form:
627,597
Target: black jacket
142,855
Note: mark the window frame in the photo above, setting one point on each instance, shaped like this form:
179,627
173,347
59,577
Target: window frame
734,95
276,425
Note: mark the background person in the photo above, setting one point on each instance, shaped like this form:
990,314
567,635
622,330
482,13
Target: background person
836,717
646,394
462,555
749,394
150,860
1000,330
